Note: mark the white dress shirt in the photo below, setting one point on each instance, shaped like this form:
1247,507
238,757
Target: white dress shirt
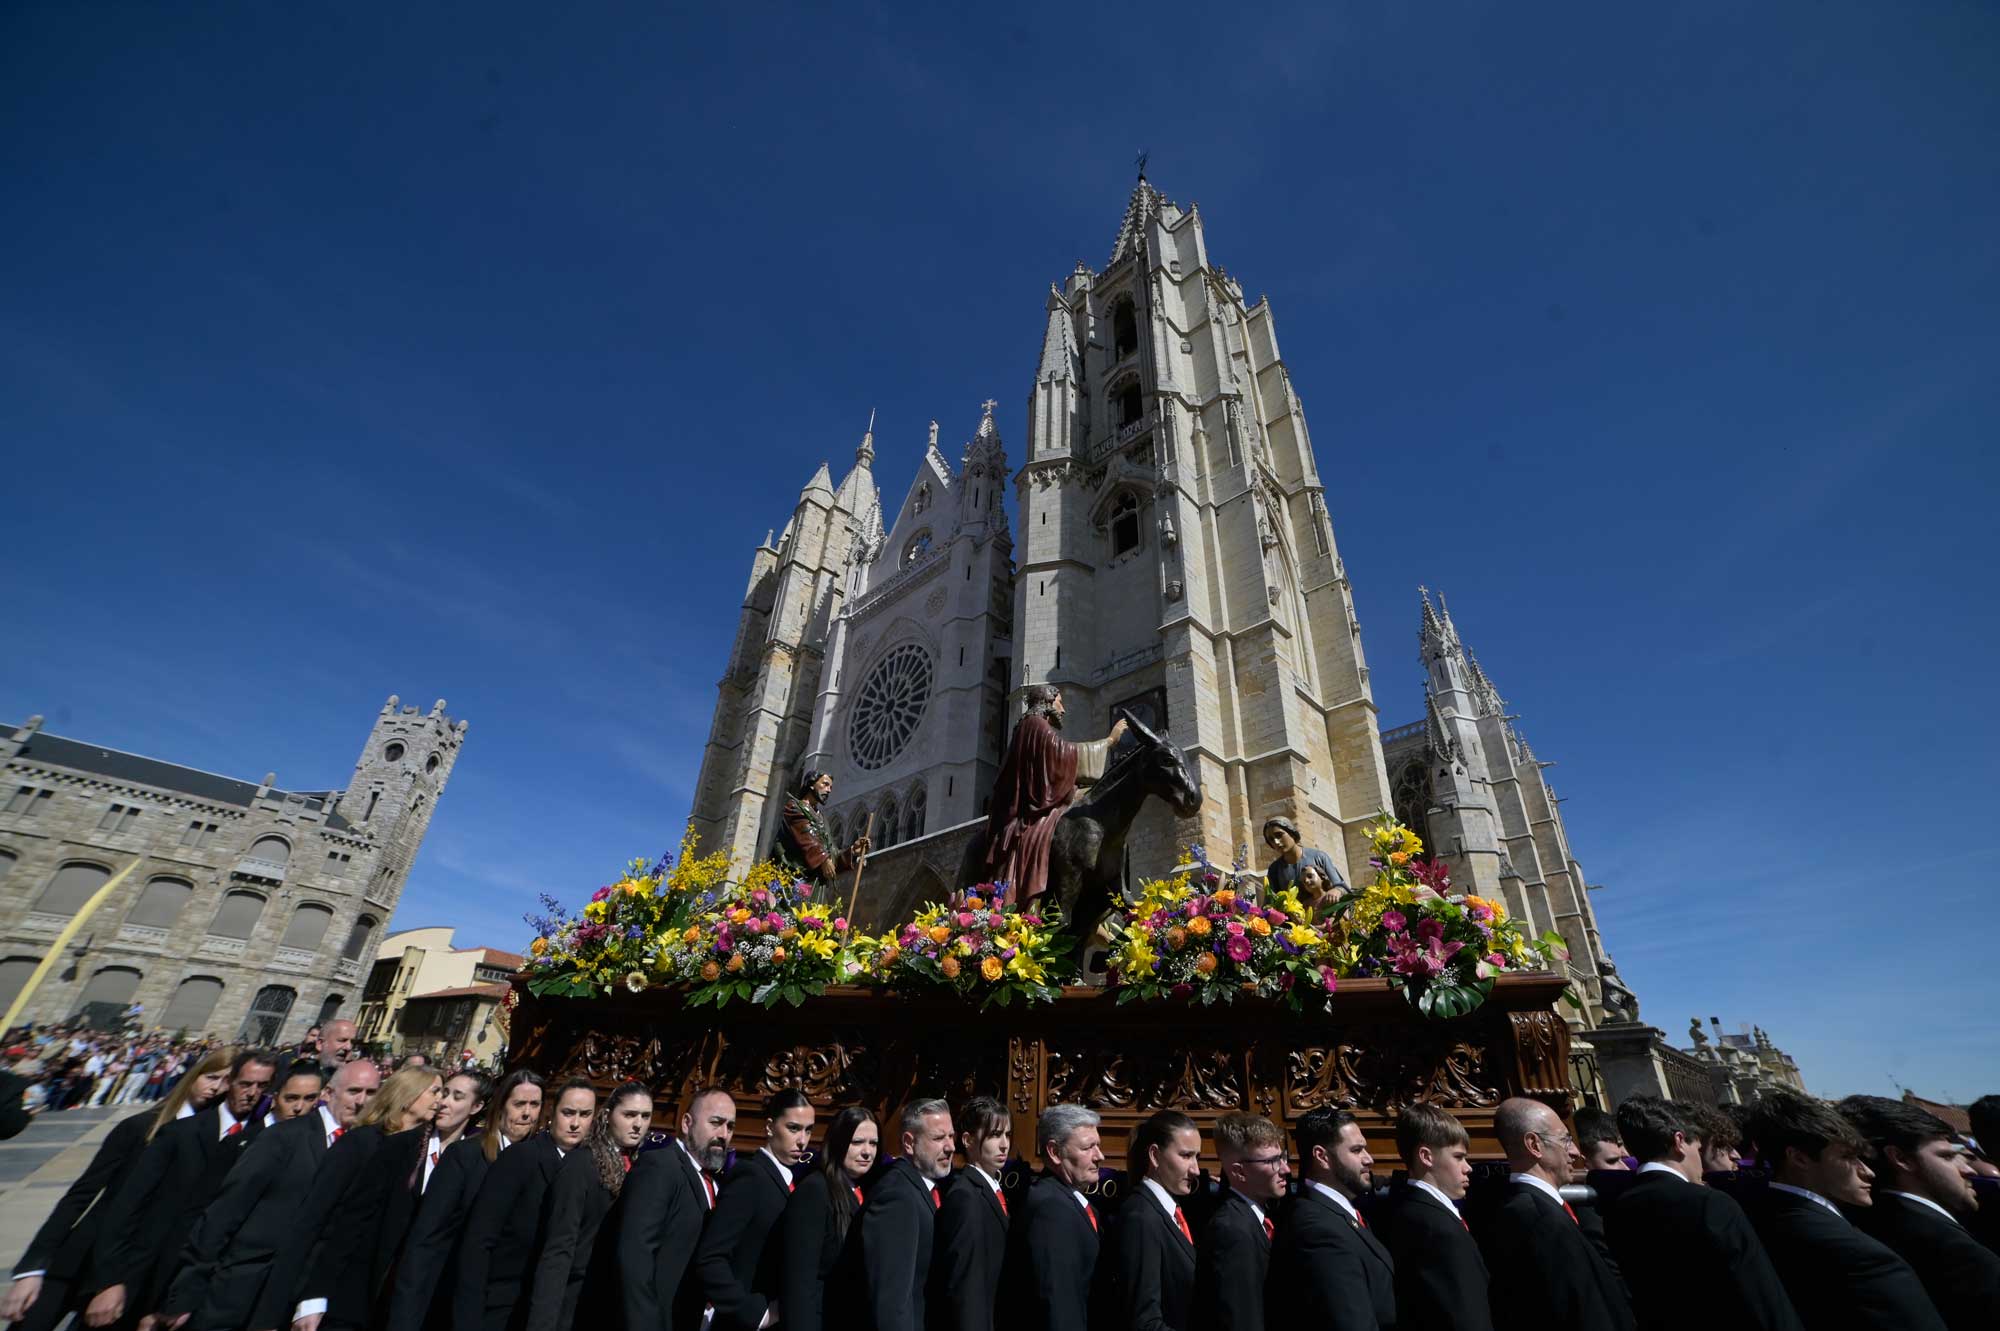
1425,1185
784,1170
331,1126
1537,1181
1660,1167
1809,1195
432,1150
1925,1201
185,1111
1338,1198
990,1180
707,1183
1162,1196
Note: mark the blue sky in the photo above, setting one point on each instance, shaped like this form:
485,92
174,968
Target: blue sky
468,352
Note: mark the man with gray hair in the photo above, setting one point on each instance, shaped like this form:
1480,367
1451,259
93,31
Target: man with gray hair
1545,1272
1037,780
1053,1241
895,1228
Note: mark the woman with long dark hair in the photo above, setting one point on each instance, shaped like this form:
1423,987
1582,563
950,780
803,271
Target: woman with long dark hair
820,1214
423,1282
581,1200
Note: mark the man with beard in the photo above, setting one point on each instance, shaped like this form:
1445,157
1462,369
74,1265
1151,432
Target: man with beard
804,845
1037,781
1327,1270
895,1228
667,1198
737,1261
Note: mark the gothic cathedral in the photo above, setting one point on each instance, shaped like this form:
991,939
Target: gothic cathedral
1176,558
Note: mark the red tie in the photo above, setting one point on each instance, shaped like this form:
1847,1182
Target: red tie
791,1187
1093,1216
1181,1220
1572,1214
628,1164
1001,1198
336,1135
1270,1230
935,1203
234,1128
1361,1220
709,1183
859,1200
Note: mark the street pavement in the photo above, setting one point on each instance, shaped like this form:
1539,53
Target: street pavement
36,1166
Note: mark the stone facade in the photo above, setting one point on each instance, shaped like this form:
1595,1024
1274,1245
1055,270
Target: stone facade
1468,783
247,911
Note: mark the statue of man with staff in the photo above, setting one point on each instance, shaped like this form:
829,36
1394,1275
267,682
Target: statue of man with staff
804,844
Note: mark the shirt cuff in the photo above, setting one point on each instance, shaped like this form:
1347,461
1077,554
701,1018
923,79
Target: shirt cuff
23,1275
307,1307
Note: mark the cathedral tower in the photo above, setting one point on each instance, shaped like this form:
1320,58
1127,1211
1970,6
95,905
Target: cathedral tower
1176,555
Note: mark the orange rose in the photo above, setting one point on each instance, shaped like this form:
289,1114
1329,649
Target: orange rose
1224,897
990,968
940,934
777,956
710,971
974,903
735,962
1399,857
692,935
889,955
1198,926
1176,938
950,968
1205,963
1260,926
788,934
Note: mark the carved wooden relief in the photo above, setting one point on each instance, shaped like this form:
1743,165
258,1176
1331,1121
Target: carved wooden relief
1149,1078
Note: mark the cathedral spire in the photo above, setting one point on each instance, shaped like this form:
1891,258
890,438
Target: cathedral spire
864,456
1144,204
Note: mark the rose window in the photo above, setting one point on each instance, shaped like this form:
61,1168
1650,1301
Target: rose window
890,706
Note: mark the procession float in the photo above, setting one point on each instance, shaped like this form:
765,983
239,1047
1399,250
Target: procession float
1207,993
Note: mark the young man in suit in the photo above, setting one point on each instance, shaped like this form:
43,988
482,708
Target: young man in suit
1544,1272
1689,1255
1327,1269
504,1229
1052,1242
970,1241
224,1283
1836,1275
1234,1252
1597,1137
1146,1279
1440,1276
894,1234
179,1173
1923,1193
737,1262
667,1199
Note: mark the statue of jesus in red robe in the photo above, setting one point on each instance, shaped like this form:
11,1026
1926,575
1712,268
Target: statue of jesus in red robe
1037,781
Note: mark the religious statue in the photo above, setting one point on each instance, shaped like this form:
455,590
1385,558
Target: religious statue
804,844
1697,1034
1620,1003
1294,859
1038,779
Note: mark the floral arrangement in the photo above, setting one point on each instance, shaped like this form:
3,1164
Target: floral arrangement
1442,949
1202,933
978,947
764,940
616,938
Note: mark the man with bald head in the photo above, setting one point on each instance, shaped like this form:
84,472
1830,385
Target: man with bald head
224,1283
1545,1274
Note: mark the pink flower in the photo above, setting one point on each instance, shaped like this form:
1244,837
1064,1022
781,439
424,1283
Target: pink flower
1239,948
1328,978
760,897
1393,921
1430,928
966,919
1236,928
1276,916
600,894
1479,914
840,923
755,924
803,888
1497,960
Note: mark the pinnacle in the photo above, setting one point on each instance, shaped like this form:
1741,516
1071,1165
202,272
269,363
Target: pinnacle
1144,203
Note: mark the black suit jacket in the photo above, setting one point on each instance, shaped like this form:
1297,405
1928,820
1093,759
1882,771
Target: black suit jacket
1544,1272
351,1224
737,1261
1145,1279
968,1249
503,1237
1692,1259
226,1265
147,1224
1327,1271
1836,1276
1961,1274
426,1270
62,1247
810,1247
1231,1261
14,1115
1440,1276
665,1206
894,1238
1051,1260
577,1205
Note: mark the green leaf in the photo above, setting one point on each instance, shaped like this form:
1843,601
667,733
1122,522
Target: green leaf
1126,994
763,992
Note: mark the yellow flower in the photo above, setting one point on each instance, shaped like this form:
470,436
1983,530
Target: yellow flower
539,948
1302,937
596,911
990,968
1022,967
1138,958
819,945
949,965
963,946
739,916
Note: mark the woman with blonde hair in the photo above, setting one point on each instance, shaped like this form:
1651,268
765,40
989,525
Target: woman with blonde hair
423,1279
201,1087
353,1219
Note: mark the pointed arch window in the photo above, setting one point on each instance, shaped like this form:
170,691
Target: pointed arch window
888,823
1124,330
919,546
1124,524
914,816
1130,404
